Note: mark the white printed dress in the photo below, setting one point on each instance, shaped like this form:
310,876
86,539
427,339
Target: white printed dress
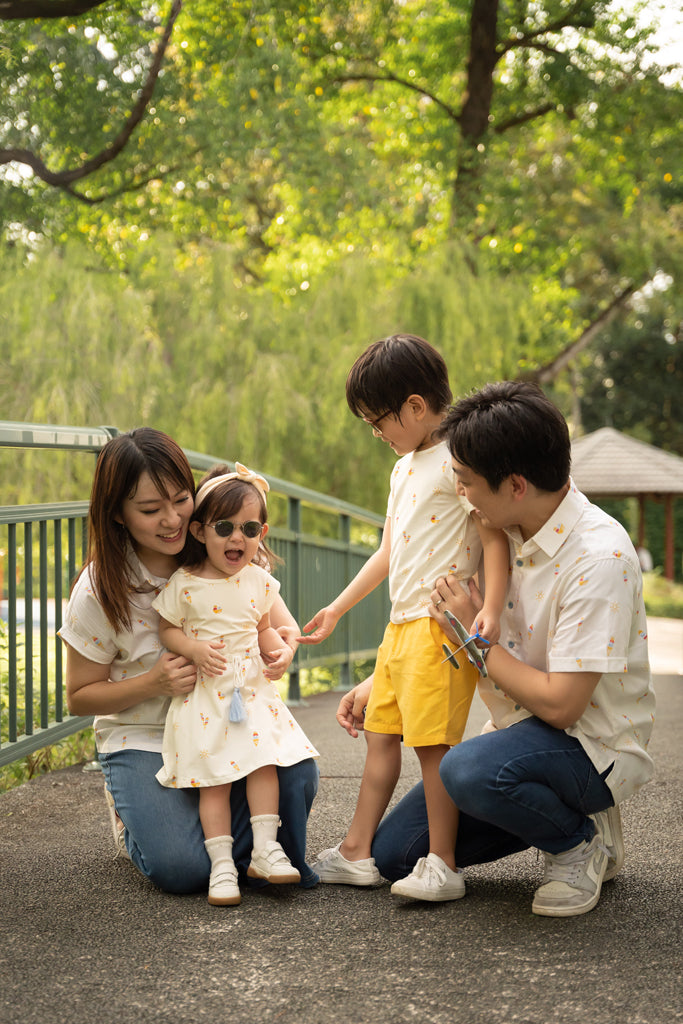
202,747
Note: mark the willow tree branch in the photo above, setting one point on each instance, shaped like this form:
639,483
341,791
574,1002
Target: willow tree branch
18,10
65,179
544,374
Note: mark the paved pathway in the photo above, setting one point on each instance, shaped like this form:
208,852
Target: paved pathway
86,939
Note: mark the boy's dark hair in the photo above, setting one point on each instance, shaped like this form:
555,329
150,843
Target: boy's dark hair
391,370
510,427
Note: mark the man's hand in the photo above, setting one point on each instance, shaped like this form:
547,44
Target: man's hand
448,593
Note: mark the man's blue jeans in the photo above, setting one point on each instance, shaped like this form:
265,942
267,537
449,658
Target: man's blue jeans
528,785
164,835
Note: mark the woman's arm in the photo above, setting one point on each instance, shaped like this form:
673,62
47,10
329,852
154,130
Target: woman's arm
90,691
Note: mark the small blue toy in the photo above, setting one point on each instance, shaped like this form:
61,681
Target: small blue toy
468,644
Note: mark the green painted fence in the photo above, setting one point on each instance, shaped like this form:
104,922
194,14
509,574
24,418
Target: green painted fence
323,543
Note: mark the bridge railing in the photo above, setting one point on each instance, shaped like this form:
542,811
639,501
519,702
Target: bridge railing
323,542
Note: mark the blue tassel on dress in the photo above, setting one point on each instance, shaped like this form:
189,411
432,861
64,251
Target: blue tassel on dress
237,712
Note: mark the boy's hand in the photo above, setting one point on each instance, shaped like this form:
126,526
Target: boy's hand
323,622
277,661
207,657
487,625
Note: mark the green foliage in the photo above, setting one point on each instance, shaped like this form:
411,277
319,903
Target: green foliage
240,373
663,599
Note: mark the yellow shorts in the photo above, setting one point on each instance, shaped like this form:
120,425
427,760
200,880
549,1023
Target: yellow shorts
414,693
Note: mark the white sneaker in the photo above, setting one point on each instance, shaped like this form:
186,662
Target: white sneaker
431,879
272,863
223,888
332,866
118,829
572,880
608,824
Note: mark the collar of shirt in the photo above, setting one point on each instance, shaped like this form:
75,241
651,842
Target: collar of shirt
555,531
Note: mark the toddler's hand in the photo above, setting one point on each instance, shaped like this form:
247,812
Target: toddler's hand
277,662
208,658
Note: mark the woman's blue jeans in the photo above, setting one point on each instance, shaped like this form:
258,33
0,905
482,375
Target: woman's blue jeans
527,785
164,834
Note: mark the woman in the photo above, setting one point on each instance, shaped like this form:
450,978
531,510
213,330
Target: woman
140,508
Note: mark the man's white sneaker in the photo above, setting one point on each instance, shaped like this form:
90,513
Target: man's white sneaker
272,863
572,880
608,824
332,866
431,879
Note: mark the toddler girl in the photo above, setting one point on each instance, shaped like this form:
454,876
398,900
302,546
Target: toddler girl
234,723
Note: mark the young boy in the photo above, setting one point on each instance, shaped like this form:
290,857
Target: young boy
400,387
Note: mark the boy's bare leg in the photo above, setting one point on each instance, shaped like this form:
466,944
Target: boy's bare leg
442,814
382,769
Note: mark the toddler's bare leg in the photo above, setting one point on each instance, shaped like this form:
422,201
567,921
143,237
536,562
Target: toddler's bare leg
382,769
442,814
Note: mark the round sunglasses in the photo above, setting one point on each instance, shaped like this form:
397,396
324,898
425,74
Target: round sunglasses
224,528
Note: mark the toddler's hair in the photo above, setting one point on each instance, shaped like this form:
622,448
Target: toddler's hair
220,503
391,370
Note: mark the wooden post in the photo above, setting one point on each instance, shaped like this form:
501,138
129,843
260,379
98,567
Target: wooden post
669,537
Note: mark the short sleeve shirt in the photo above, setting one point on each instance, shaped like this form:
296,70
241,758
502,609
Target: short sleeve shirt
128,652
432,531
575,604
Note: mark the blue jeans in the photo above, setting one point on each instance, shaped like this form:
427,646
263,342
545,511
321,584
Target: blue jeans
528,785
164,834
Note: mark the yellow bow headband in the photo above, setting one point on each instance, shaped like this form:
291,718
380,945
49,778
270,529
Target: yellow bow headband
241,473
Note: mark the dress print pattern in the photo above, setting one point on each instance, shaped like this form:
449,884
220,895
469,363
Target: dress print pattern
202,747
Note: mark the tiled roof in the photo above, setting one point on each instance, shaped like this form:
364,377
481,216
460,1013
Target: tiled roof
609,463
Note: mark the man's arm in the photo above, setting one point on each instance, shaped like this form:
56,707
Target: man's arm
558,698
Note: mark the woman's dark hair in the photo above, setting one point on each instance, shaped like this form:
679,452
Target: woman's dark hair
510,427
220,503
119,467
391,370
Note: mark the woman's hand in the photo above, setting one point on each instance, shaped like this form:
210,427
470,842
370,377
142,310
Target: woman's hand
176,675
206,654
351,710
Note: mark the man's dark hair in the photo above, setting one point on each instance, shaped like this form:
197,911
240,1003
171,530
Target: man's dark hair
391,370
506,428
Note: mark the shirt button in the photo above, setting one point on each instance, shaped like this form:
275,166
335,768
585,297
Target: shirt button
511,643
519,561
511,604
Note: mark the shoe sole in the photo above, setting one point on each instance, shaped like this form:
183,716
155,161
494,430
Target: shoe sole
566,911
289,879
346,880
616,863
427,898
224,901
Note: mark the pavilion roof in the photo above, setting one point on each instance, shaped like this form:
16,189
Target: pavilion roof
608,462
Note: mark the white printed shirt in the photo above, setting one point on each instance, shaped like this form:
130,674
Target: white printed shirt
127,652
432,532
575,604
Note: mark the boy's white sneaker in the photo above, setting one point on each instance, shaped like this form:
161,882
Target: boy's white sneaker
572,880
431,879
608,824
332,866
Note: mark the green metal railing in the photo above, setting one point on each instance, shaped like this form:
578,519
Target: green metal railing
323,543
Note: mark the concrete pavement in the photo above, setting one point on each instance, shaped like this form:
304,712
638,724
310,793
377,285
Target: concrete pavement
86,938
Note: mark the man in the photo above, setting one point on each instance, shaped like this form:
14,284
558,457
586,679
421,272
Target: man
568,688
